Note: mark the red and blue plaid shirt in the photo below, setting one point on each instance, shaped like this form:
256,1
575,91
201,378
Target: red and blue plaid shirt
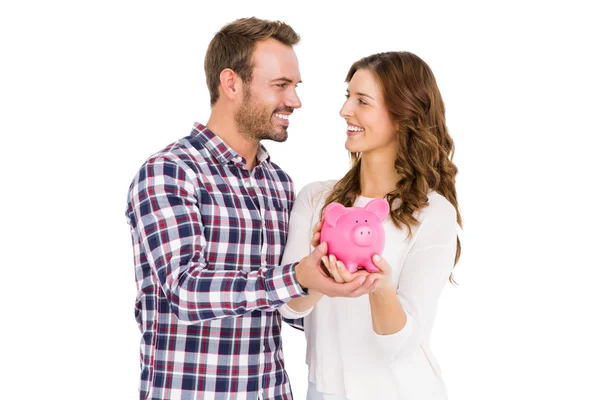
208,236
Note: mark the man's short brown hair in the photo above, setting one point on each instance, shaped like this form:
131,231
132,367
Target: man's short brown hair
233,47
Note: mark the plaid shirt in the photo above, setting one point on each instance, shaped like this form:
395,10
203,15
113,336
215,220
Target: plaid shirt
208,236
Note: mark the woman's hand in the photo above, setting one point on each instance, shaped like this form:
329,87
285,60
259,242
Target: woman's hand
317,234
385,274
337,270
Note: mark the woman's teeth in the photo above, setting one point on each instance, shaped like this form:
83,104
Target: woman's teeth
355,128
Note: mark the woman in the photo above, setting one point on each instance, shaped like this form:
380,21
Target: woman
376,346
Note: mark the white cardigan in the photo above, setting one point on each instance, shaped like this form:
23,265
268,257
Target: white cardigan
344,355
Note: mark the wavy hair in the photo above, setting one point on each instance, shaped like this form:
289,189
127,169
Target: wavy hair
425,149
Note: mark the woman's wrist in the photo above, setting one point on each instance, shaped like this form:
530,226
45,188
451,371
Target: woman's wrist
383,292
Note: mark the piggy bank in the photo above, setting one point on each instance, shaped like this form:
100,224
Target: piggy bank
355,234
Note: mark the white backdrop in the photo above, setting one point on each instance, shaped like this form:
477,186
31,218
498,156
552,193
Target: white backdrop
88,90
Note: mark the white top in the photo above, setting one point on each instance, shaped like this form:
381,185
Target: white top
344,355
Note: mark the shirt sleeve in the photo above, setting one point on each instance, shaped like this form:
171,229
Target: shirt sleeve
165,220
424,275
298,244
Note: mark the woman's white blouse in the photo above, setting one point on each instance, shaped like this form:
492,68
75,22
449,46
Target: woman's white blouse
344,355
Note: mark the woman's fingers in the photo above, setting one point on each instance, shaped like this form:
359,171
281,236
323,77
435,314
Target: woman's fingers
334,269
316,238
318,226
338,271
345,274
370,284
380,263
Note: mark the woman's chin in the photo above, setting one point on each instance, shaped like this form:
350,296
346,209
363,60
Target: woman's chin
352,147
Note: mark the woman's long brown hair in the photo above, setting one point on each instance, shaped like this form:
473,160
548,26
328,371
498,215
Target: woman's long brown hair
425,149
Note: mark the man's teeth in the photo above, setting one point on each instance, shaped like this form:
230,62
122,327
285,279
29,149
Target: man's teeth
282,116
355,128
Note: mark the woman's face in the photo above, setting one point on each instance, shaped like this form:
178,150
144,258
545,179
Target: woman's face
369,124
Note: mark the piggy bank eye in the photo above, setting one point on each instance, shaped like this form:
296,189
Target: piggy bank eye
357,222
365,220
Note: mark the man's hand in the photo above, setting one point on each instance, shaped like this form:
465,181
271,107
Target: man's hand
311,276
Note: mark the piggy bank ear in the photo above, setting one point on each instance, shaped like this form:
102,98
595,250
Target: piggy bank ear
379,207
333,212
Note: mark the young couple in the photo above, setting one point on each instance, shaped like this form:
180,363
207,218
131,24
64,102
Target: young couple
223,250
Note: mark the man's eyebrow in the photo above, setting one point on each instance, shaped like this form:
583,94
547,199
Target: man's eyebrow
361,94
284,79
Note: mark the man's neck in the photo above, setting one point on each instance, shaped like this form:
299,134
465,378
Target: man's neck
225,128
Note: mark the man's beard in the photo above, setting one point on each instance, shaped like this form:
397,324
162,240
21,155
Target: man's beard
255,121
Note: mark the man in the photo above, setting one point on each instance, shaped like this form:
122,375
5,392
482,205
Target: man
208,217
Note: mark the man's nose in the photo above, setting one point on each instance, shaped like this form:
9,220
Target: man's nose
292,100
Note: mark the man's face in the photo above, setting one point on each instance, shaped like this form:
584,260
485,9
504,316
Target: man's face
270,98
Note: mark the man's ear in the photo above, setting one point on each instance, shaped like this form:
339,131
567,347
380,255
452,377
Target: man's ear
230,84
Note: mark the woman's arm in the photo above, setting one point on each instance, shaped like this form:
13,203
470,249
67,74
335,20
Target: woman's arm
387,314
400,315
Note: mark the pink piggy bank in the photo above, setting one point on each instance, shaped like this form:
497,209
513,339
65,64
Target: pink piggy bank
355,234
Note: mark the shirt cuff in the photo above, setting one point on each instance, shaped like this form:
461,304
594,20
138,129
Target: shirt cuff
281,283
289,313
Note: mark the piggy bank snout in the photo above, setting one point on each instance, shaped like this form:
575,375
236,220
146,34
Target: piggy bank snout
364,235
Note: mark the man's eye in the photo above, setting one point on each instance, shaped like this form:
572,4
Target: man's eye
362,102
281,85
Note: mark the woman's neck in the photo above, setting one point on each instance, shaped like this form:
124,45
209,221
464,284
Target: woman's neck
378,175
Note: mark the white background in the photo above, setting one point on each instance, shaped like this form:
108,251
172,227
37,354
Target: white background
88,90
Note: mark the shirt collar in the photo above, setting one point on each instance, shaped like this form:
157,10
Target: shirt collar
221,150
